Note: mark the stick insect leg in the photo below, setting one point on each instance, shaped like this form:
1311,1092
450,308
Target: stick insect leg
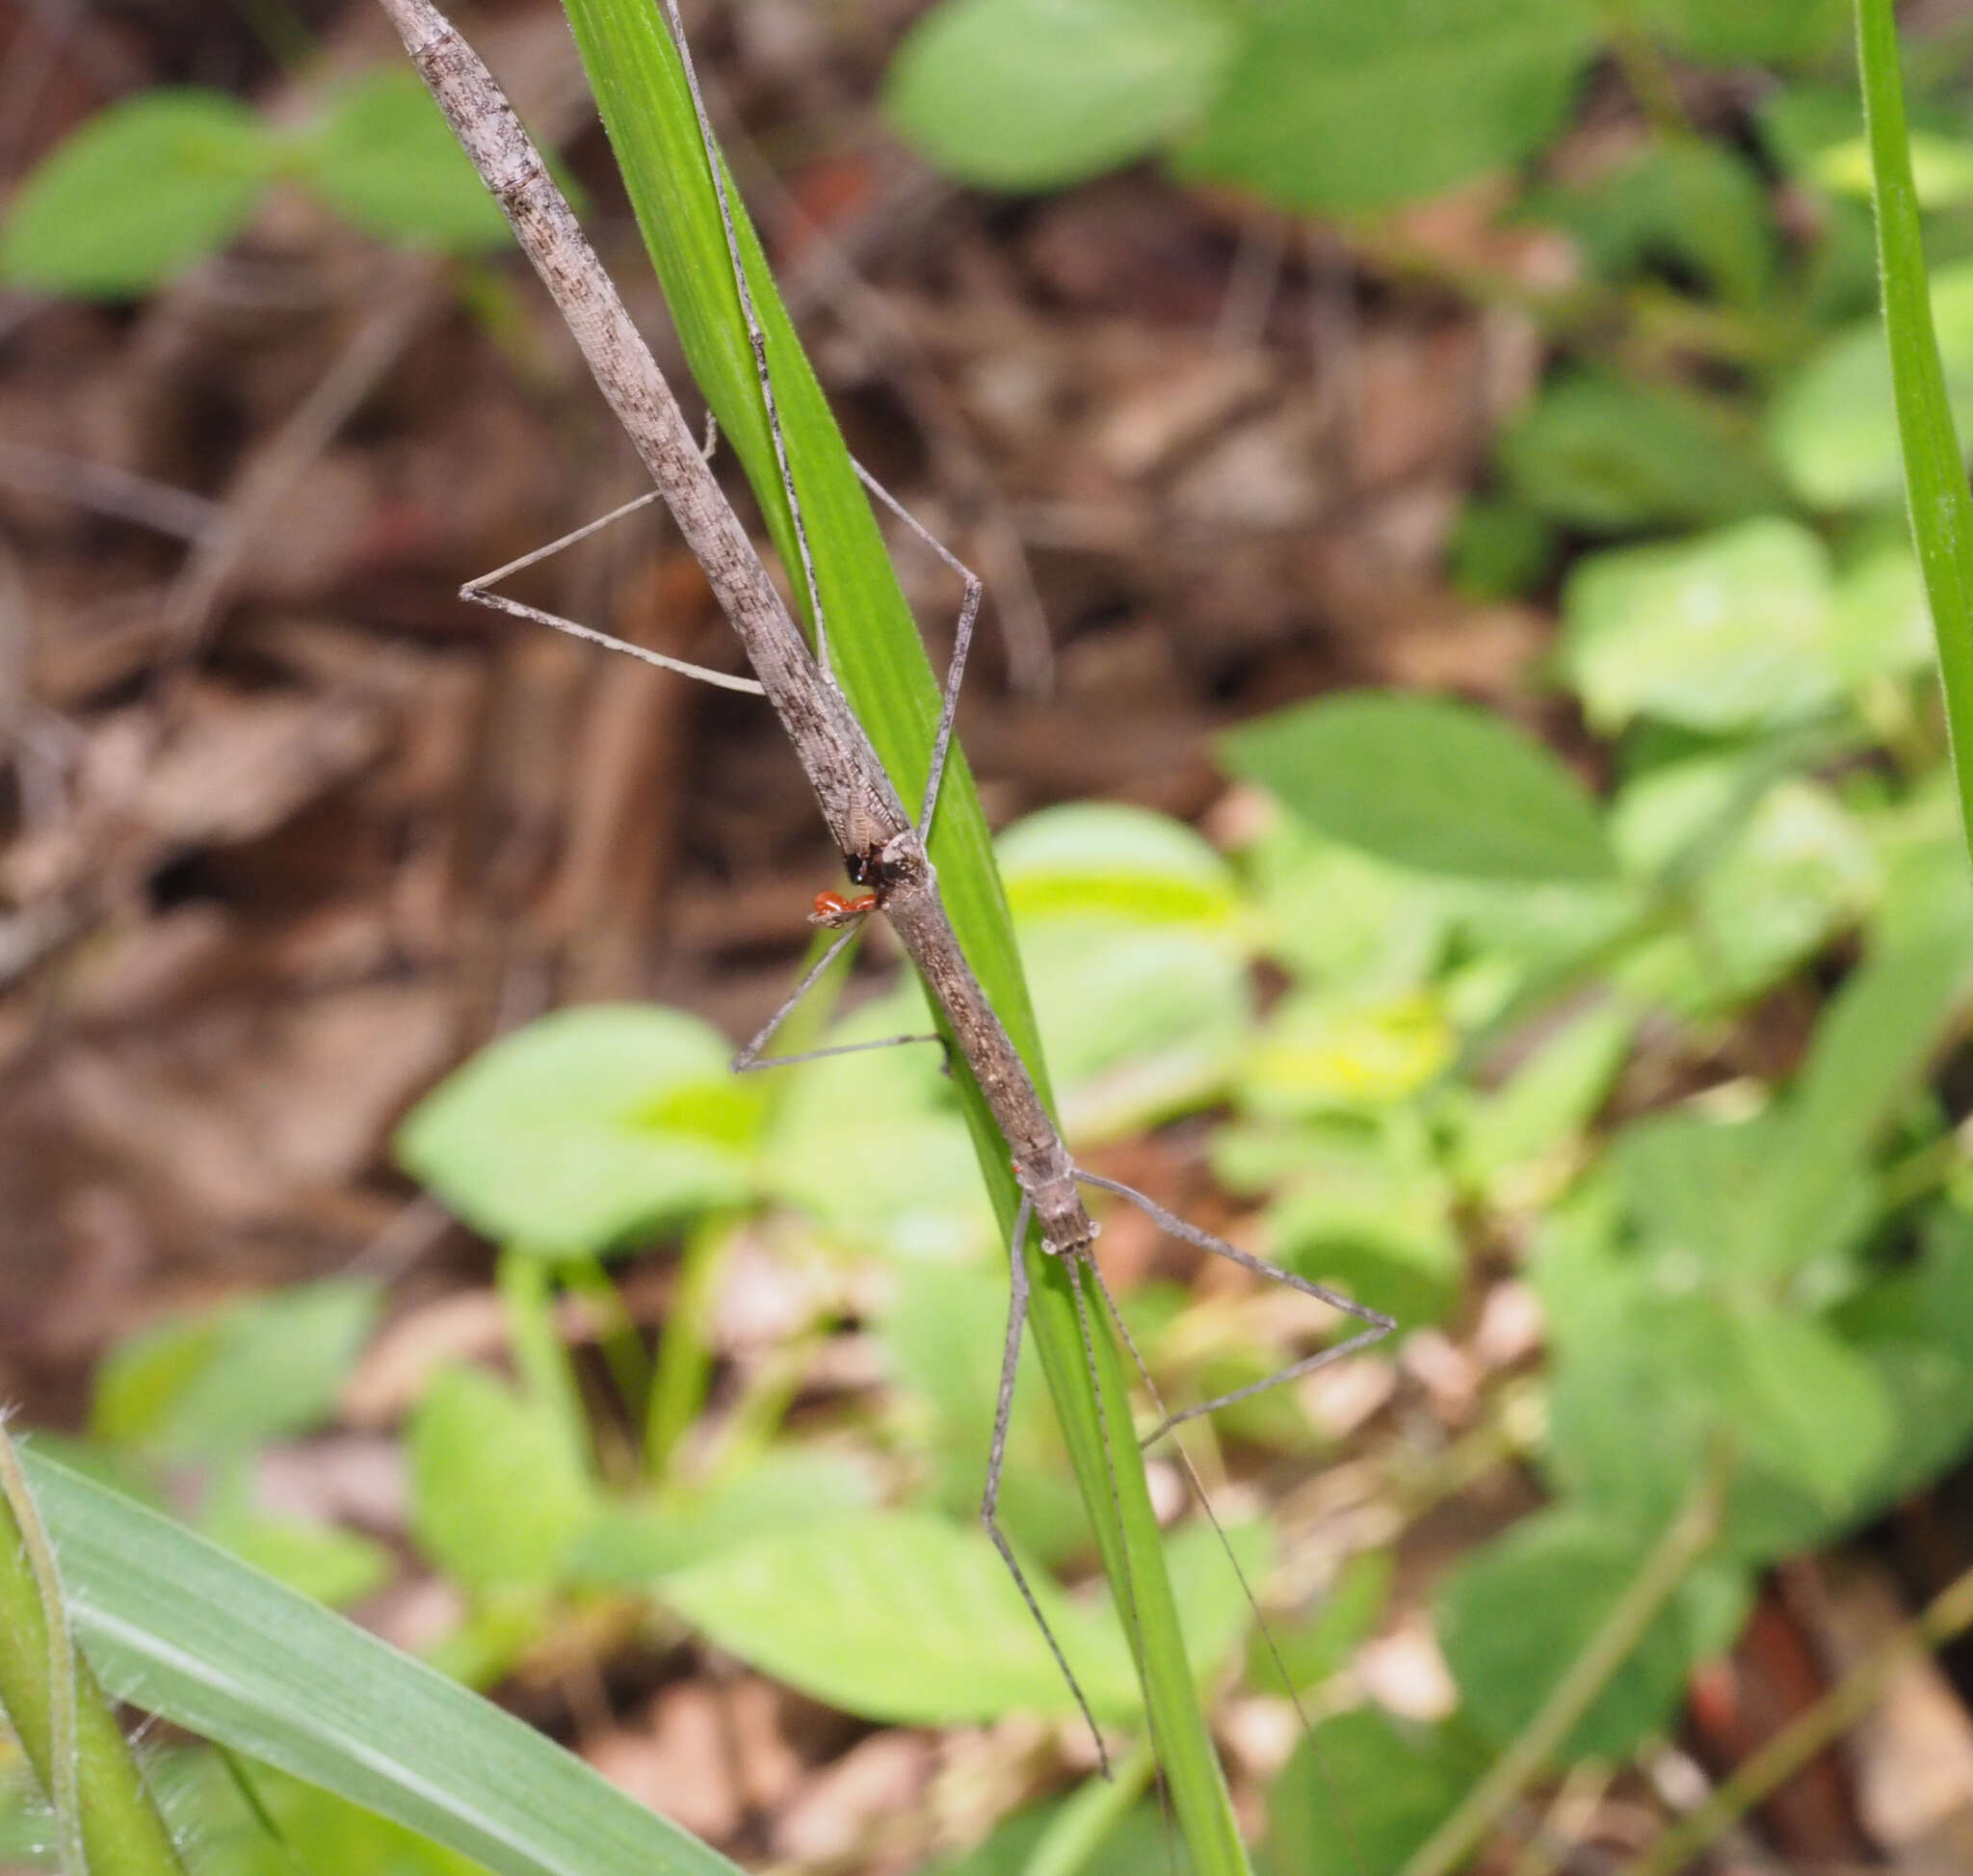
756,337
962,644
997,1457
751,1056
478,592
1380,1324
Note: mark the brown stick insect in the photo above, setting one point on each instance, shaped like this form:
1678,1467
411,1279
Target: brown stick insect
883,848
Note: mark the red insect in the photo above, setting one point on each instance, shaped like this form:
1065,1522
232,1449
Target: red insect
833,910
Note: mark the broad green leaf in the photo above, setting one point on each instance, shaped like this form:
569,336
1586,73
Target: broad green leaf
1882,623
1106,859
1915,1328
1333,915
629,1546
1501,548
1574,1570
322,1561
587,1127
237,1376
1314,1650
1550,1096
1747,32
1695,1188
1871,1049
137,196
1025,94
497,1497
1809,1409
173,1624
873,1144
905,1619
944,1340
1927,894
1732,630
1941,168
1698,204
1332,106
1367,1208
1608,456
1427,783
1784,869
1141,1024
384,157
1021,1844
1320,1055
1364,1793
1833,427
1129,930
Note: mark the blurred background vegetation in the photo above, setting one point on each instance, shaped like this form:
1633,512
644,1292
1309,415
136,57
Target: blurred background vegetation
1459,700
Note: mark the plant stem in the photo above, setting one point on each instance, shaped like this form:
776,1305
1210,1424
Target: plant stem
1948,1615
1685,1540
106,1822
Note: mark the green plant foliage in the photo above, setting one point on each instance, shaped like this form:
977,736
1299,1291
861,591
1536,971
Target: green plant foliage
313,1832
631,1544
874,1146
385,159
497,1496
1732,630
1609,455
1782,869
1313,1651
1105,860
1363,1793
1141,1842
321,1561
1135,955
1748,32
1695,205
1428,783
222,1381
945,1339
587,1127
1833,429
905,1619
1574,1570
1365,1206
910,1619
173,1624
137,195
1026,94
1335,107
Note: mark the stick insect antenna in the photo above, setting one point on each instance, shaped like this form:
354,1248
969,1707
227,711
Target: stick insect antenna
756,337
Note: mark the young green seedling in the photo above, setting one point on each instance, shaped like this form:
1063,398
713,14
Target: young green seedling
884,849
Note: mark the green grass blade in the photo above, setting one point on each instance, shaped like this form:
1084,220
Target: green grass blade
175,1625
1934,471
105,1819
647,111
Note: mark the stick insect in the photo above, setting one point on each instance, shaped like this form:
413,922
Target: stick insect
883,848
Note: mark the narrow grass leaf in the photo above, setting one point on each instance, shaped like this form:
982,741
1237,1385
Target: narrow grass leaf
1934,468
172,1624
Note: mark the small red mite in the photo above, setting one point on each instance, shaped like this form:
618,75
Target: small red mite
833,905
